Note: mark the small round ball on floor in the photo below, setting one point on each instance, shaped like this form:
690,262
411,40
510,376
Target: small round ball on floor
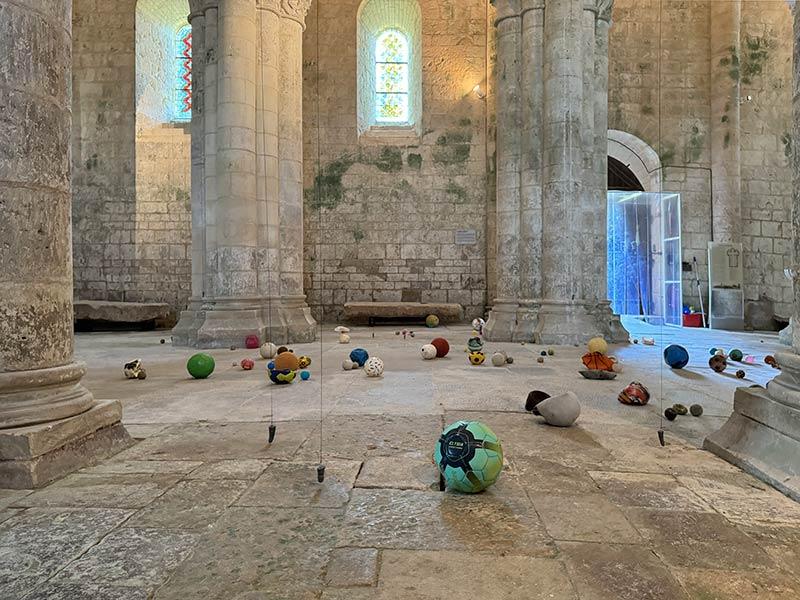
680,409
676,357
442,347
736,355
771,361
282,349
428,351
551,352
287,361
740,374
670,414
718,363
348,365
268,350
431,321
635,394
469,456
712,351
543,353
696,410
540,360
374,367
282,377
163,341
304,362
359,356
251,342
477,358
597,344
200,366
305,375
510,360
498,359
247,364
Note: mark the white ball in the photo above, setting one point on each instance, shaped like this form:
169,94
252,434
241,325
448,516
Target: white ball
478,324
499,359
268,350
344,338
429,352
374,367
348,365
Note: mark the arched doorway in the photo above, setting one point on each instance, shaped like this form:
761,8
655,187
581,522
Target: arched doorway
644,239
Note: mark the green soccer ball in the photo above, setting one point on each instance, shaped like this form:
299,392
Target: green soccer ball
200,366
469,456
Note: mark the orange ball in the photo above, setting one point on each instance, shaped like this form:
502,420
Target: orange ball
442,347
287,361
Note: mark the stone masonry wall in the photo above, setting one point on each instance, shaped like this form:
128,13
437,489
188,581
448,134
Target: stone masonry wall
381,215
131,218
666,103
103,148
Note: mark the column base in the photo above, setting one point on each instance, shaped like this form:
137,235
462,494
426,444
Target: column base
226,323
33,456
762,435
553,322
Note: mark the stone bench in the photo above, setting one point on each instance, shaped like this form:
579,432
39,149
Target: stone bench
372,312
103,314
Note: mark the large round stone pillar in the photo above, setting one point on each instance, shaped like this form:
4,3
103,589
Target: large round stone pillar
551,113
44,410
249,216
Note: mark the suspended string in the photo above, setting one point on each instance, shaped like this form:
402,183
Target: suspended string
318,249
261,165
661,191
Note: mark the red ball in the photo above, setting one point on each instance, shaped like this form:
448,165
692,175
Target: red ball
442,347
248,364
251,342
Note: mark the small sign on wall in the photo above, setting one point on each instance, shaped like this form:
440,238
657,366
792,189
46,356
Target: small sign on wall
466,237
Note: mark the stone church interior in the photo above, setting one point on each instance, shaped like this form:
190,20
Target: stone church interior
327,299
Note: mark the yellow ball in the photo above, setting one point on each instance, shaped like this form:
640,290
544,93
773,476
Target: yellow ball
598,344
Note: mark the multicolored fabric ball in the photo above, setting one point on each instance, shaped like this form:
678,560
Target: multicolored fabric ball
718,363
247,364
282,377
374,367
304,362
469,456
477,358
359,356
475,344
635,394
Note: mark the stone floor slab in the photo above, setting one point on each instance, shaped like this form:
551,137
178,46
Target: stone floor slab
648,490
585,518
194,504
698,540
57,590
407,519
352,567
37,542
434,575
621,572
400,473
121,467
727,585
244,469
258,553
292,485
220,441
110,490
781,543
132,558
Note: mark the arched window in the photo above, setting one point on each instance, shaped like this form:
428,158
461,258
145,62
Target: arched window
182,105
389,66
391,77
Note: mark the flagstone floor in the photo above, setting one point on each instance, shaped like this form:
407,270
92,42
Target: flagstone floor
202,507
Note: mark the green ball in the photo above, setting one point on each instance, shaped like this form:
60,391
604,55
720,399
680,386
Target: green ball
200,366
736,355
431,321
469,456
696,410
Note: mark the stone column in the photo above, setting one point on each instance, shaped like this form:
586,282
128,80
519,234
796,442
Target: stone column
558,252
762,436
49,423
726,195
503,321
251,47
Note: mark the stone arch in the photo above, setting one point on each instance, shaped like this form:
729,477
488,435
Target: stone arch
638,156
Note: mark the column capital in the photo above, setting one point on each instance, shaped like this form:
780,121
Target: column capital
506,9
295,10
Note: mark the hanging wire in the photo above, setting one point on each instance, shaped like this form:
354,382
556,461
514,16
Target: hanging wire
661,192
261,163
318,262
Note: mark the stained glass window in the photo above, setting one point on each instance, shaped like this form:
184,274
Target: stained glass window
182,105
391,77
